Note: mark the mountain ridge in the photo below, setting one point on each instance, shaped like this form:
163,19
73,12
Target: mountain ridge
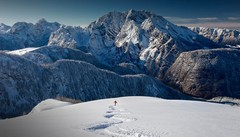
124,53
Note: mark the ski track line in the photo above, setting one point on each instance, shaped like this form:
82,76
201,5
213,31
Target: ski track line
112,126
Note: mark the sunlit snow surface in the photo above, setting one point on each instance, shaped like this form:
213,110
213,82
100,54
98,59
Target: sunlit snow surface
132,117
22,51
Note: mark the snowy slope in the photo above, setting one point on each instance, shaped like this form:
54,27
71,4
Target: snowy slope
48,105
22,51
132,117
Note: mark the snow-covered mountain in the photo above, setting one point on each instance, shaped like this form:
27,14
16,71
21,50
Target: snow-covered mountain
4,28
110,58
24,83
154,43
132,117
220,36
68,36
22,34
139,37
34,35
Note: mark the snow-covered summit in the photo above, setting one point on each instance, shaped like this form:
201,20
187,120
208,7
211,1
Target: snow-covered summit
219,35
68,36
4,28
129,37
34,35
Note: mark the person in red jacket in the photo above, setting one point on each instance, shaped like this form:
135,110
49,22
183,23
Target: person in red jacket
115,102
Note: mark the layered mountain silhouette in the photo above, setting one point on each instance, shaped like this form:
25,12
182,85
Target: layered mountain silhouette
119,54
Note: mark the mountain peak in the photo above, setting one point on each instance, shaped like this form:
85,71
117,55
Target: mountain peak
42,21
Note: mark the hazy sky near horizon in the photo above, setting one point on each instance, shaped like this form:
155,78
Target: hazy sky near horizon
208,13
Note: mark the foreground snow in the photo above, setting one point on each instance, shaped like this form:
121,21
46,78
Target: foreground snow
133,116
48,105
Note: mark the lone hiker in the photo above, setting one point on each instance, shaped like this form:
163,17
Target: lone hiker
115,102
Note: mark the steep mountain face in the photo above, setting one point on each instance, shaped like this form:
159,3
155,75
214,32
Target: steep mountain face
220,36
10,42
153,43
34,35
4,28
102,36
70,37
23,83
139,37
206,73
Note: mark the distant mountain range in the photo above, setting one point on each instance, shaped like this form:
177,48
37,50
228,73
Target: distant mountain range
120,54
220,36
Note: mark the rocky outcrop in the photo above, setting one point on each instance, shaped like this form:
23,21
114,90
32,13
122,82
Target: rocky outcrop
206,73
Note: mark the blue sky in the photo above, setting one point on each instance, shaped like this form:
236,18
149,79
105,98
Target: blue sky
208,13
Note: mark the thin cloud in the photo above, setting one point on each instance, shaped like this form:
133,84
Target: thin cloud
179,19
227,25
192,20
211,22
208,19
233,18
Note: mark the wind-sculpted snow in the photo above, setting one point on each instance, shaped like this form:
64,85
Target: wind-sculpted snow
220,36
23,83
206,73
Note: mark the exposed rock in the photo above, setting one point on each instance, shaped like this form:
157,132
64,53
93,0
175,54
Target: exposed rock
206,73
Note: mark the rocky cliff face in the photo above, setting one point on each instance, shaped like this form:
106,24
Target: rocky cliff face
206,73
